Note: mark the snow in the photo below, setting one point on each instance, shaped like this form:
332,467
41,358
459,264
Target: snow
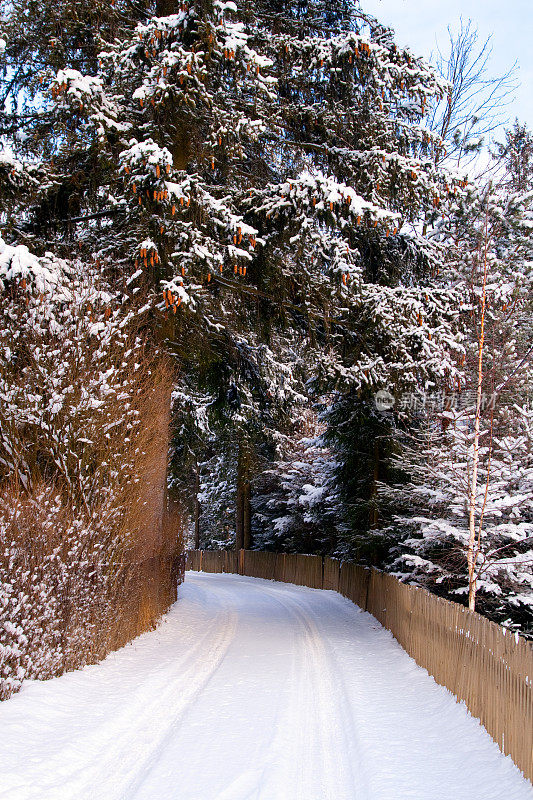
78,85
311,495
19,263
250,689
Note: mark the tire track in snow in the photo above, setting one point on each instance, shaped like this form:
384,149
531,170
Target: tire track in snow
339,710
194,680
146,718
319,691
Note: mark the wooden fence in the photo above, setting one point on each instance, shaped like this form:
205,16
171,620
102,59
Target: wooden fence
481,663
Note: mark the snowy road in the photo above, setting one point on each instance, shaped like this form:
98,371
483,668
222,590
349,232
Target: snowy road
250,689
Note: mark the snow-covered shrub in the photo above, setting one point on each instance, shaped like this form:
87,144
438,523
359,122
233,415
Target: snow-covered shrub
59,589
85,405
68,360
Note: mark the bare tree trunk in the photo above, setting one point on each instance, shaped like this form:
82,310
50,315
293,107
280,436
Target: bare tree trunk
243,533
239,502
374,512
239,527
197,509
246,517
473,552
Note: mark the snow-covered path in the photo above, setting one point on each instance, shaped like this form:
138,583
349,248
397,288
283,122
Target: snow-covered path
251,689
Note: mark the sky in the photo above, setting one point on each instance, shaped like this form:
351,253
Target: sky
422,24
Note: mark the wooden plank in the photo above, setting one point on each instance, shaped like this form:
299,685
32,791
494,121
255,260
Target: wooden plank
331,573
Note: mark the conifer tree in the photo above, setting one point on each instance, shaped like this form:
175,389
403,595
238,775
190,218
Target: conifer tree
257,170
466,513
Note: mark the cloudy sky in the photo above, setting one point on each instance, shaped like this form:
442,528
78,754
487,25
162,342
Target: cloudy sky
421,24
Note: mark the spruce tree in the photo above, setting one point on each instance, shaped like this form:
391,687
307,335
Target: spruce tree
259,171
464,519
